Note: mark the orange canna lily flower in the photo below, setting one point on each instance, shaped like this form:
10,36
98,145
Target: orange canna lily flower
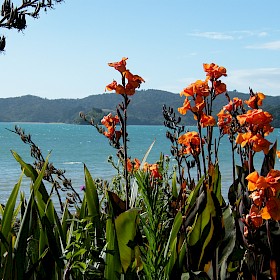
219,87
255,181
120,66
111,86
233,104
214,71
134,80
273,180
199,88
278,154
199,104
260,144
224,121
120,89
272,209
190,142
256,117
109,120
206,120
256,100
132,165
110,123
254,218
186,106
243,138
153,169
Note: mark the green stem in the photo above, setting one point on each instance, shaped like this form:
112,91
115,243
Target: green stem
124,133
201,146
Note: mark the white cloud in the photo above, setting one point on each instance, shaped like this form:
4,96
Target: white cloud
230,35
275,45
264,80
212,35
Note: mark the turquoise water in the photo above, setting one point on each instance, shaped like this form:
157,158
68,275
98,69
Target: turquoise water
73,145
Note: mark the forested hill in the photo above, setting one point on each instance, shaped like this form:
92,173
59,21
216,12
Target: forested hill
145,107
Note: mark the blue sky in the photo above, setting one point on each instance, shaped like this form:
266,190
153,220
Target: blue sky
64,53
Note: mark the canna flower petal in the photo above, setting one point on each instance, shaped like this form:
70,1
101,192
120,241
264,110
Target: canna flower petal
252,179
111,86
119,66
186,106
206,120
255,217
255,100
219,87
272,209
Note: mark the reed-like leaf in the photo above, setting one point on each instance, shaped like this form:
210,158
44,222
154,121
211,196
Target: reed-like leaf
9,209
134,188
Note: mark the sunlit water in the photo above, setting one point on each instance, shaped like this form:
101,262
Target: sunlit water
72,146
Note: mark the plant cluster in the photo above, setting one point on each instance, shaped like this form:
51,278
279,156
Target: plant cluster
154,220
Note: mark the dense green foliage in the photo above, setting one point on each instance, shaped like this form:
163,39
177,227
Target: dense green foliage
145,108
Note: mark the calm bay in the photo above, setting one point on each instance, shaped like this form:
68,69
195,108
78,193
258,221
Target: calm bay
73,145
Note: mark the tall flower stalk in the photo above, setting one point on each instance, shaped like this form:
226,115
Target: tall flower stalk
126,88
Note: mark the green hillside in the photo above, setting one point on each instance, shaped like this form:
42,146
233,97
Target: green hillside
145,108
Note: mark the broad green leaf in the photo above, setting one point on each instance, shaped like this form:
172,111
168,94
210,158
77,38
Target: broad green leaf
113,266
31,173
174,231
126,225
203,229
194,193
54,244
217,185
227,245
91,197
171,245
28,169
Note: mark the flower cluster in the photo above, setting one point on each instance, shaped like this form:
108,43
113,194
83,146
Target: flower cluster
110,123
264,194
153,169
255,124
133,81
252,126
226,119
132,165
190,142
200,90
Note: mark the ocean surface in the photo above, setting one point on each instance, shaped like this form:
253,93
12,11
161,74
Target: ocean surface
73,145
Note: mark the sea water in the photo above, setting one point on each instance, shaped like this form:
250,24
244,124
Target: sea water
72,146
